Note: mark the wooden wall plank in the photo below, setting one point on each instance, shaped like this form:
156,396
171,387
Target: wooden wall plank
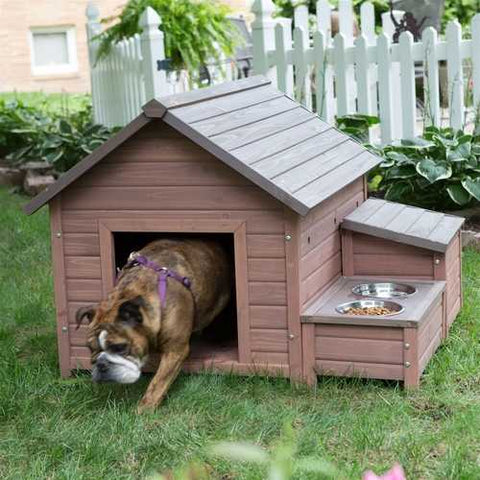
267,293
368,244
207,173
359,369
169,198
269,340
393,265
268,316
266,246
81,244
347,331
266,269
319,255
358,350
270,358
83,267
83,290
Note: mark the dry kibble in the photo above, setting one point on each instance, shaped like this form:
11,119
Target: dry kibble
369,311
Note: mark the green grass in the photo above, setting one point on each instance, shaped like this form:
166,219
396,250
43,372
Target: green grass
72,429
63,103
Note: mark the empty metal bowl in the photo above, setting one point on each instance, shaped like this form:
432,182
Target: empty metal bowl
383,290
345,308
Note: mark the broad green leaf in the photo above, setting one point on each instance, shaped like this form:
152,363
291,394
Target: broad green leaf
64,126
472,186
399,157
387,163
458,194
433,171
398,190
459,153
403,171
476,148
52,157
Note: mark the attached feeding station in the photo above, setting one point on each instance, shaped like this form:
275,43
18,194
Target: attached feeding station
326,281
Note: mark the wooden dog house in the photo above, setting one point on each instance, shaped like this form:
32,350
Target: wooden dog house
243,159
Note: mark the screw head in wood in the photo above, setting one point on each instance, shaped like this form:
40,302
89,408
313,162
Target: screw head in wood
64,329
437,261
291,336
407,364
407,346
59,234
288,237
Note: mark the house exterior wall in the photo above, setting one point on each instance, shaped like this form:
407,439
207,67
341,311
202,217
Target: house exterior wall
20,16
159,172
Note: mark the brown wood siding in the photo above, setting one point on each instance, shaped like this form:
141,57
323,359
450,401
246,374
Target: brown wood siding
320,250
373,352
374,256
157,172
453,267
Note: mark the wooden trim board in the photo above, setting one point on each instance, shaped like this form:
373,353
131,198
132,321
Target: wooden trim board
159,224
58,258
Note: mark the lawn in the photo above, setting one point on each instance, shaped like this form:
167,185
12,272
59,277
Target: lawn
72,429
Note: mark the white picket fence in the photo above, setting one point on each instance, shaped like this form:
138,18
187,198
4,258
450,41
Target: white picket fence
368,74
128,77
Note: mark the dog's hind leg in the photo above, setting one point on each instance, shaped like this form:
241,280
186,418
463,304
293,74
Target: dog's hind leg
170,365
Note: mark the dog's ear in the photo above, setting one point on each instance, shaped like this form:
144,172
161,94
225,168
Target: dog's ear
88,312
129,311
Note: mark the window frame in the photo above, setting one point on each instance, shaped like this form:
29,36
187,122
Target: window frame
46,70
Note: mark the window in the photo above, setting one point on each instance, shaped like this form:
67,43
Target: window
53,50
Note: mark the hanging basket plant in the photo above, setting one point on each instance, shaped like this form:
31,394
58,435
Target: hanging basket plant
196,32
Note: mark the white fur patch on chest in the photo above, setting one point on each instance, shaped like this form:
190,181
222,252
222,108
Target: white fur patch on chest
102,339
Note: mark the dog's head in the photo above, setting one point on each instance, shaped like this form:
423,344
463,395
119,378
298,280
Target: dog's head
118,340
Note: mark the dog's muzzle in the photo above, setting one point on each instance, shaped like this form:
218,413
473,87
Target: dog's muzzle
115,368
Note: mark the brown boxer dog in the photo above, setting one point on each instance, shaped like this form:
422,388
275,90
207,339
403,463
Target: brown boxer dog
166,291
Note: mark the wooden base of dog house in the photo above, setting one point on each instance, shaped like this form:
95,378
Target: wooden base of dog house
396,347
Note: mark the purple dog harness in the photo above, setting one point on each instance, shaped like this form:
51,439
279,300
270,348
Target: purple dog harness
163,274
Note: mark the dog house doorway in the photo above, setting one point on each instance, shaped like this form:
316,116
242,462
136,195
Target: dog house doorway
225,342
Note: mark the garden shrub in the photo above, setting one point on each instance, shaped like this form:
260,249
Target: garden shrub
29,134
439,171
195,31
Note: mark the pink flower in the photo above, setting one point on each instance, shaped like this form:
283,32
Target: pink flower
396,473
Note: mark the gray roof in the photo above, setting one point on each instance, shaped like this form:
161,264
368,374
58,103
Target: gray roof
403,223
261,133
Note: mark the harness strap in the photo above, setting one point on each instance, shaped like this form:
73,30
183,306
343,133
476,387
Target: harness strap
163,274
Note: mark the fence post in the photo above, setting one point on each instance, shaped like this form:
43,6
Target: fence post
389,29
431,78
300,20
93,29
367,23
345,24
263,37
385,88
455,75
153,50
476,62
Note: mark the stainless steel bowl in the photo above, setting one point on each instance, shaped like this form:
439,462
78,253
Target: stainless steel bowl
383,290
395,307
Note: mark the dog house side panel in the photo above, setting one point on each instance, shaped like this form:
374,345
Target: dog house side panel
453,276
320,246
158,172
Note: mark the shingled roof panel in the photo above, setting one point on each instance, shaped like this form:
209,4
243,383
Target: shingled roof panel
261,133
403,223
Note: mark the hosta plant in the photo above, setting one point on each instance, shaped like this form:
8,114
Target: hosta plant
440,170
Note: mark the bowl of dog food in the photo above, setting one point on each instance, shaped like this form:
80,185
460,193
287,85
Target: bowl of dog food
380,308
383,290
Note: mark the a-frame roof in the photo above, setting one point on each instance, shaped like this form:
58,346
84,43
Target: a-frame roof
258,131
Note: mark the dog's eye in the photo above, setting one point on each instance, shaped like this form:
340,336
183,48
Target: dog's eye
119,348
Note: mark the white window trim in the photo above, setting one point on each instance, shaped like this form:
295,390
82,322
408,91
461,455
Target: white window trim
71,67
